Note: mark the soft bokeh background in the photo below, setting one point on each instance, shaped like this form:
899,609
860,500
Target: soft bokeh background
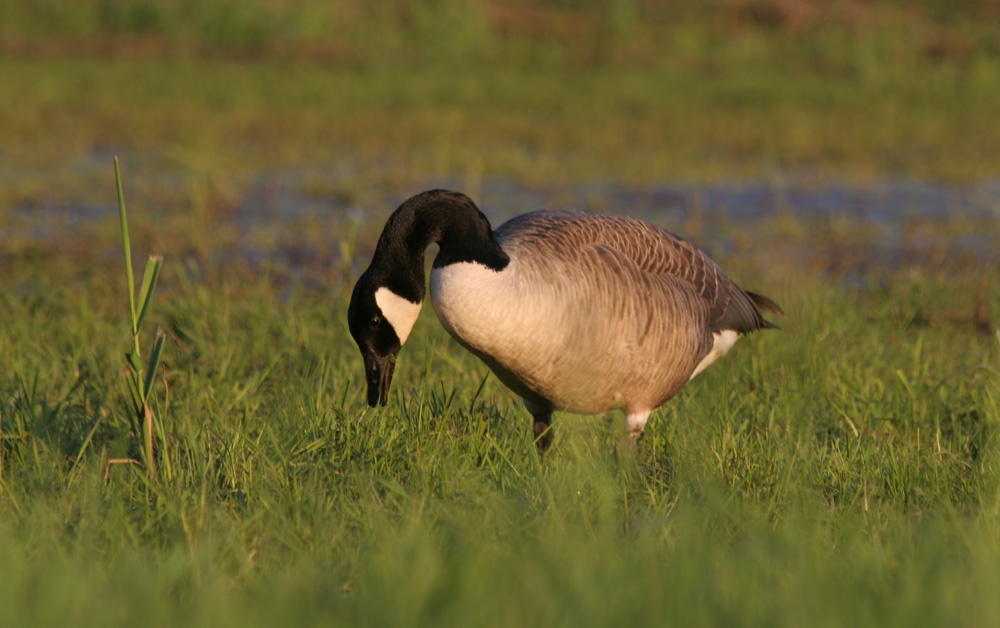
235,118
841,157
645,90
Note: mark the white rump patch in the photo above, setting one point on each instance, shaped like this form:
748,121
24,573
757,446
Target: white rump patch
635,422
724,341
399,312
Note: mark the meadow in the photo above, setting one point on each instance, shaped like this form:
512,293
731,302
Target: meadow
840,471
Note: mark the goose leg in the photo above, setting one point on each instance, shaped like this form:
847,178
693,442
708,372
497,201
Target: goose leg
543,424
634,424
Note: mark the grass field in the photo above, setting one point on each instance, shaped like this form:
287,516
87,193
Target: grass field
842,471
645,92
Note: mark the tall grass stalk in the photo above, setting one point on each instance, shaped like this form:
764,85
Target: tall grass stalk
140,379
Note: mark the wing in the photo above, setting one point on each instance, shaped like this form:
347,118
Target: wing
652,250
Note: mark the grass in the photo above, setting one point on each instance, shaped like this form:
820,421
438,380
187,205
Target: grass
140,377
646,125
665,94
842,471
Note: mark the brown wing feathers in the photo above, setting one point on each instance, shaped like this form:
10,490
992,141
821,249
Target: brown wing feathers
657,251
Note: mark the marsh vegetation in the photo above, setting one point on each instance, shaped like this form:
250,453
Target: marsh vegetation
840,158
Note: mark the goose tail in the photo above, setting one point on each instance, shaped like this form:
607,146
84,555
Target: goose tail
765,303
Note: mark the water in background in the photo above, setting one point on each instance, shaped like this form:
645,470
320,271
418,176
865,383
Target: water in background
887,223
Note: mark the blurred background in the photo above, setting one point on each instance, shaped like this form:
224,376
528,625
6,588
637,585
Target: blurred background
840,156
845,135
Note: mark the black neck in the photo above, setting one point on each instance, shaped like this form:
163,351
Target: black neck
449,219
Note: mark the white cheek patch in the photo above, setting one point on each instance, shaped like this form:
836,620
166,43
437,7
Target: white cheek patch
399,312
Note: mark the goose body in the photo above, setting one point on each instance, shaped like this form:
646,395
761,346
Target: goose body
576,312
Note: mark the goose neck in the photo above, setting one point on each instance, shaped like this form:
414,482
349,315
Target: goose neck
449,219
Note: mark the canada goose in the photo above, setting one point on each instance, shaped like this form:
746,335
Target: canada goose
572,311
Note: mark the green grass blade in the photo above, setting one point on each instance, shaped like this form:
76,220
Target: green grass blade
133,360
75,469
149,278
128,248
137,403
154,362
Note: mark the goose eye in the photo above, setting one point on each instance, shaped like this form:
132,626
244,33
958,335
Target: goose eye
375,322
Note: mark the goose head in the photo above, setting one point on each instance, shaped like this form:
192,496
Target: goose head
387,298
380,321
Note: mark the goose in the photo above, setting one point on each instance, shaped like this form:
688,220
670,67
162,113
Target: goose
572,311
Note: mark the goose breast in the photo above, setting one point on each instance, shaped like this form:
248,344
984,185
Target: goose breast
592,313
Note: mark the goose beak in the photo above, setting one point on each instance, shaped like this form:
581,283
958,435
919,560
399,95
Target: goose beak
378,372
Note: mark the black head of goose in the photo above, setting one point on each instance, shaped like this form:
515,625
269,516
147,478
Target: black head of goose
571,311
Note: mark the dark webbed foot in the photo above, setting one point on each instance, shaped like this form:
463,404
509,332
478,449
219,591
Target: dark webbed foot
543,434
543,425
